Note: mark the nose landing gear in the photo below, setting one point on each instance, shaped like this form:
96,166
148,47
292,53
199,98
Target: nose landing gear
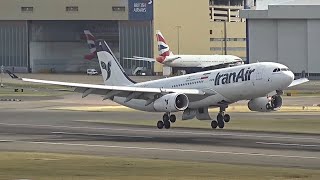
167,119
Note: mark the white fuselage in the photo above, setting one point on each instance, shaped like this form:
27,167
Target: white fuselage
232,84
200,60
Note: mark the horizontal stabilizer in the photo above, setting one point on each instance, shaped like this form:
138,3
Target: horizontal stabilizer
140,59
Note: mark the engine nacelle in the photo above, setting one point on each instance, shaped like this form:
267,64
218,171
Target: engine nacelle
265,104
171,103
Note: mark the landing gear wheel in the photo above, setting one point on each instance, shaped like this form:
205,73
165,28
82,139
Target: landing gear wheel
226,118
167,124
173,118
165,117
160,124
220,121
214,124
221,124
219,117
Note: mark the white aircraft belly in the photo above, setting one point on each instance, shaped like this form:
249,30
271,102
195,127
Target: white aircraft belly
208,101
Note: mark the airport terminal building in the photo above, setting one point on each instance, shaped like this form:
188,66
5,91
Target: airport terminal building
47,35
288,34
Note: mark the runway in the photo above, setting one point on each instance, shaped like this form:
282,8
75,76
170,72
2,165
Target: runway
44,130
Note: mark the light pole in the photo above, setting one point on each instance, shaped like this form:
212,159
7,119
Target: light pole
222,38
2,69
178,32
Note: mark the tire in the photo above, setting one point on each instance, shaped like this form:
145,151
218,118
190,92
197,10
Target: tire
165,117
167,124
160,124
226,118
173,118
219,117
221,124
214,124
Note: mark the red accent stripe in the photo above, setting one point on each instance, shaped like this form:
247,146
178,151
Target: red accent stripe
160,59
90,37
204,77
165,54
161,39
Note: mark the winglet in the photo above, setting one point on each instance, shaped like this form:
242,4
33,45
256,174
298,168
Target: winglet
12,75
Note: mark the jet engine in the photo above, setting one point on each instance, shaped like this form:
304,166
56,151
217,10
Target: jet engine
171,103
265,104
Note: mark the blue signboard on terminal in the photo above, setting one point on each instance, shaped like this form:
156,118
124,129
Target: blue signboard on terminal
141,10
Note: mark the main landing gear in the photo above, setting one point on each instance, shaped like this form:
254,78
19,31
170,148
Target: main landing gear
167,119
221,119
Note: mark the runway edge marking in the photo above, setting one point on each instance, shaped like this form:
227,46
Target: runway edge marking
288,144
179,150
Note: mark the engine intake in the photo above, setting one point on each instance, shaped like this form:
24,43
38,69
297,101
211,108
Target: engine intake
265,104
171,103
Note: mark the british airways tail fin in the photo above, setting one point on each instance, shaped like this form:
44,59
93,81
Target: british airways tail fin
163,47
91,44
111,70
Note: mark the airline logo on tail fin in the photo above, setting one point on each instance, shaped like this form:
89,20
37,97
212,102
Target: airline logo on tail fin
107,68
91,44
163,47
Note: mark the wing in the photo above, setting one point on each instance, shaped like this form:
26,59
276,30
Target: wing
298,81
130,92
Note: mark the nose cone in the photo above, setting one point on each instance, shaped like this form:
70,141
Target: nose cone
289,77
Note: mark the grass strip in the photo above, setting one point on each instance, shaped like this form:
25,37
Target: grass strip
21,165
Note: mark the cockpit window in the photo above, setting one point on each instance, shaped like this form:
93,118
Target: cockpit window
276,70
285,69
282,69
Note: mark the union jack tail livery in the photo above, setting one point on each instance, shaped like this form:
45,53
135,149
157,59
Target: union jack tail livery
91,44
163,48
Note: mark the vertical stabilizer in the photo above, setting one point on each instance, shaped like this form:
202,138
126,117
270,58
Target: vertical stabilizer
91,44
111,70
163,47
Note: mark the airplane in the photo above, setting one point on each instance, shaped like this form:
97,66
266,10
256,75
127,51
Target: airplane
261,83
166,57
93,50
91,44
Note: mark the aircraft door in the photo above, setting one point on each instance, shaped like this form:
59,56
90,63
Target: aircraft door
259,74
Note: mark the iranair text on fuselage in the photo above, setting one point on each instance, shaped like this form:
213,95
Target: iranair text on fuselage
233,77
